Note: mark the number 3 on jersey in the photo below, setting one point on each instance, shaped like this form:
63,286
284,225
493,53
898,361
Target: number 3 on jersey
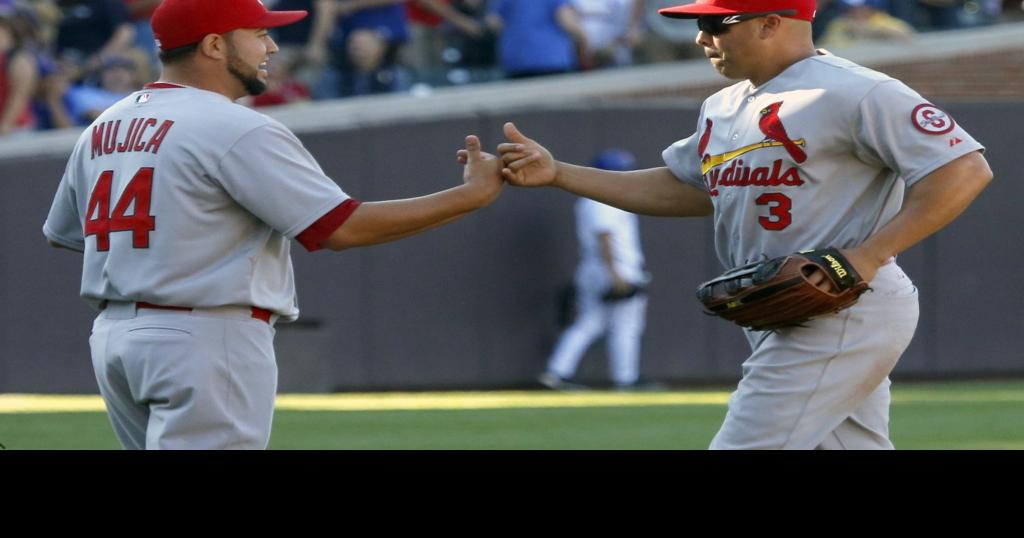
99,221
780,207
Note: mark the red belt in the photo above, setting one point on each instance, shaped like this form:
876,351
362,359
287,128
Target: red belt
261,314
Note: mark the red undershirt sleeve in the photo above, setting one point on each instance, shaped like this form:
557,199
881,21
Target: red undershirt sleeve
313,237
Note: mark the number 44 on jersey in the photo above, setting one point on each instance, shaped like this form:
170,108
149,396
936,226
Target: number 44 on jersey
100,222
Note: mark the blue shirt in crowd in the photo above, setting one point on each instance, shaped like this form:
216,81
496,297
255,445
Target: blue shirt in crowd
531,39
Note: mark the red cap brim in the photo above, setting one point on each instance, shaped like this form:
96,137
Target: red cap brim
692,11
273,19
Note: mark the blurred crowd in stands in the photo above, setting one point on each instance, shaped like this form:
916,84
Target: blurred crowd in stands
62,62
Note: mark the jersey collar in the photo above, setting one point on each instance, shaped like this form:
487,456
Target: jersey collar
161,86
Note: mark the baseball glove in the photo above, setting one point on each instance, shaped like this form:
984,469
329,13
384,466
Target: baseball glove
612,296
775,293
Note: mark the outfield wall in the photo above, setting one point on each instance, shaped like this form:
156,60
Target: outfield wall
473,305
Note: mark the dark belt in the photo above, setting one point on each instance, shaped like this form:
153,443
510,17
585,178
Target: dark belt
261,314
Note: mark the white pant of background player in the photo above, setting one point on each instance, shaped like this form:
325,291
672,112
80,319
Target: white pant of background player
825,385
623,322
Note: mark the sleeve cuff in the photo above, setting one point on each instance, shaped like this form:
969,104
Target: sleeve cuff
313,237
63,241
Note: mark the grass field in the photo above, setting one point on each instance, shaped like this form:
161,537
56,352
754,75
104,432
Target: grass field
961,415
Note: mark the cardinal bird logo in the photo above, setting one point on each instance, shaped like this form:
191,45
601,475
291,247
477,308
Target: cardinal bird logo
702,146
772,128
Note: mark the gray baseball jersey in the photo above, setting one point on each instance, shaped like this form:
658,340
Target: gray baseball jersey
177,196
819,156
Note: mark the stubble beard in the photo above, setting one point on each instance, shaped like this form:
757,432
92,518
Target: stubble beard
250,81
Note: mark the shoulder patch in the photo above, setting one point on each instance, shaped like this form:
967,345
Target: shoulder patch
931,120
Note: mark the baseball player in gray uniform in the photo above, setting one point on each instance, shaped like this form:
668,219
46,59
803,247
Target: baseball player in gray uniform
807,151
184,204
609,281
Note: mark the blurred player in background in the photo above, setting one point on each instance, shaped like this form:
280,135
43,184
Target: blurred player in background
610,281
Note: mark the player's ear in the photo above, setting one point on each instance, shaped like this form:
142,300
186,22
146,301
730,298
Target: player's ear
769,26
214,46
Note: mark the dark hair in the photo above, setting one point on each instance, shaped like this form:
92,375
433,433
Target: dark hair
173,56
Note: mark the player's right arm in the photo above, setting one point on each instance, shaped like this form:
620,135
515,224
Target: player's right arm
655,191
380,222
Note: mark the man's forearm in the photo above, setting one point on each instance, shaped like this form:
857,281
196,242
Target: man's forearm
447,12
381,222
654,191
569,21
120,42
323,23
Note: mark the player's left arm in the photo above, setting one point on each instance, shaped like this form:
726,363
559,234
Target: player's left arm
931,204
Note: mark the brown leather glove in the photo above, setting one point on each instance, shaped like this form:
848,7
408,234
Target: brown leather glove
775,293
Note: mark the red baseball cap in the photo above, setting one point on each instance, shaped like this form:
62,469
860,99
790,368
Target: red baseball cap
177,23
804,8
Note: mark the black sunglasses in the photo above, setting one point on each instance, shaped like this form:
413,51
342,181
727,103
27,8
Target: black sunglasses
718,24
